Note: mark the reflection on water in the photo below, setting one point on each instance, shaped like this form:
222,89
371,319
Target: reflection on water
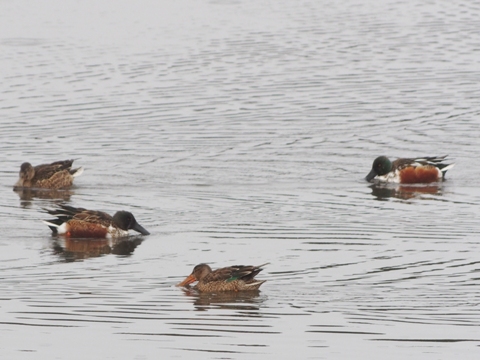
28,194
238,131
404,192
78,249
241,300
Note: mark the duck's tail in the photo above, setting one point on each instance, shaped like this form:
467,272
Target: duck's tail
76,172
254,285
52,225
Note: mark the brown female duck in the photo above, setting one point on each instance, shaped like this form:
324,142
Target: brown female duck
232,278
57,175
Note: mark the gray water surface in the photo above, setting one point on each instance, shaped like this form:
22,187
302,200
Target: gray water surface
239,132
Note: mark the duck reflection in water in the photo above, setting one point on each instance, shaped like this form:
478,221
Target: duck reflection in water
26,195
229,300
72,249
404,192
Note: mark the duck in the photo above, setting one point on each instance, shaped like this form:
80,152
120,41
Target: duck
422,170
232,278
57,175
82,223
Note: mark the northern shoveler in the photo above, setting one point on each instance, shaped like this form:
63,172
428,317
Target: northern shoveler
232,278
409,171
83,223
57,175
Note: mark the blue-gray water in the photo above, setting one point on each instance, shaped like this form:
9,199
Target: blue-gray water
240,132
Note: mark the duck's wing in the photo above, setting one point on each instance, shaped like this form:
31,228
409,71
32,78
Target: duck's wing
46,171
235,272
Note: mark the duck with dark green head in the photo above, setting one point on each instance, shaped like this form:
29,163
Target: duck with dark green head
409,171
83,223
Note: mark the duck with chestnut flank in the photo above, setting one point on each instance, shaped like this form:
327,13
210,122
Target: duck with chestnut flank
83,223
409,171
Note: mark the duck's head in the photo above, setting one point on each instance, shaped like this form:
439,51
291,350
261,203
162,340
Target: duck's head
381,166
126,221
199,272
26,171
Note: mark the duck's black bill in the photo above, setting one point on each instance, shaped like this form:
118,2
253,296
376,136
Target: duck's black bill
371,175
139,228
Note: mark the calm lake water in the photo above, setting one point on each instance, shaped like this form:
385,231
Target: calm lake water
239,132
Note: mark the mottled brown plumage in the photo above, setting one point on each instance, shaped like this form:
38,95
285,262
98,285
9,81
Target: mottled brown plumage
232,278
57,175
